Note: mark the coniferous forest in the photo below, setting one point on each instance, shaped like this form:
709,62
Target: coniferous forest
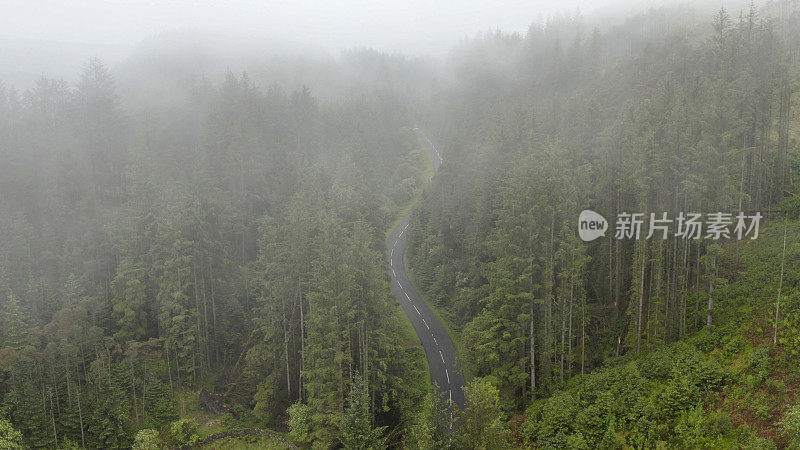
198,260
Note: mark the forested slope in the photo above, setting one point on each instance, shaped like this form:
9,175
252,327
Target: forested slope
164,234
226,237
681,119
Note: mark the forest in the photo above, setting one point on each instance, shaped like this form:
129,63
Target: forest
198,261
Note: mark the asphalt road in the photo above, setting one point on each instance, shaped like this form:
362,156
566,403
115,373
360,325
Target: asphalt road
439,348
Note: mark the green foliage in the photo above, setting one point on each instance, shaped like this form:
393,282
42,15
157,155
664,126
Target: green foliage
301,428
427,428
228,235
146,439
760,366
10,438
610,440
494,245
355,427
698,428
183,433
482,423
791,425
109,424
158,405
30,416
652,399
755,442
790,332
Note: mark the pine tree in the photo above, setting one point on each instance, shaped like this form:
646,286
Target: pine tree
10,438
482,425
356,424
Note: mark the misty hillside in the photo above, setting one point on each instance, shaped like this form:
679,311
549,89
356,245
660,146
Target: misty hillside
221,243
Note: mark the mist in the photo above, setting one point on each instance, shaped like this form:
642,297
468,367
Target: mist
54,39
424,225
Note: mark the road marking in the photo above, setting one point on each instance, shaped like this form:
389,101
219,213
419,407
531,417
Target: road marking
450,393
391,263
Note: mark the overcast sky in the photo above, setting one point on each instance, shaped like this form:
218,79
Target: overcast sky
54,37
411,26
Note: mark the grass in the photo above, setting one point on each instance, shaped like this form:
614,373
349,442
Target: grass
409,335
188,402
456,337
425,174
249,442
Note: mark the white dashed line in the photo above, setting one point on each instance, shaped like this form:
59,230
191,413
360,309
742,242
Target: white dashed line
394,274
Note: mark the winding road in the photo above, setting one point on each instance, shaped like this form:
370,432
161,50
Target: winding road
439,348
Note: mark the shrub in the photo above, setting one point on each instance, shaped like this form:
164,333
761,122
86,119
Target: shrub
301,428
558,415
760,365
791,425
700,429
756,442
679,395
183,433
576,442
9,437
611,440
591,423
734,346
146,439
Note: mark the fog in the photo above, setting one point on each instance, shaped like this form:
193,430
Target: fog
54,39
368,225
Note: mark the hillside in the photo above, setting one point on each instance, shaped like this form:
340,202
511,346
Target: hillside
731,387
228,244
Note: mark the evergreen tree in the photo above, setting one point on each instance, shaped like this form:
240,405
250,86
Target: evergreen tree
356,424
